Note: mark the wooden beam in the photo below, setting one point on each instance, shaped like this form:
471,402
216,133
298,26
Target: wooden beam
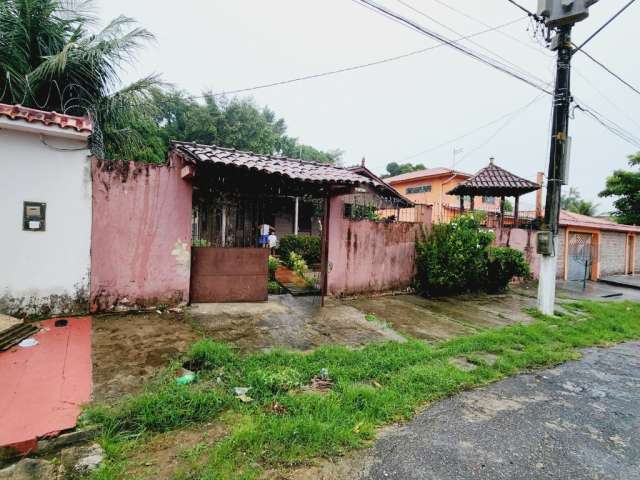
473,206
461,204
516,210
501,212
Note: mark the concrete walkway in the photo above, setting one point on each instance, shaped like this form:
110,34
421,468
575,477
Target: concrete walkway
579,421
631,281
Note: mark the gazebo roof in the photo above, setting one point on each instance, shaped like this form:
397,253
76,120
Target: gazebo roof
494,181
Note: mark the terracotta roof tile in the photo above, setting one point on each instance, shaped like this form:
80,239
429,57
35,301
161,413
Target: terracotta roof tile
31,115
494,180
291,168
570,219
429,172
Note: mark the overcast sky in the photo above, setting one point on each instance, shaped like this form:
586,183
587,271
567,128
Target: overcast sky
392,112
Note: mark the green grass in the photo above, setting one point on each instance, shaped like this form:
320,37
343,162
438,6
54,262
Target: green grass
373,386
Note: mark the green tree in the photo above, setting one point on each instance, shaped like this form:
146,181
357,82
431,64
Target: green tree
395,168
51,59
573,202
625,185
235,123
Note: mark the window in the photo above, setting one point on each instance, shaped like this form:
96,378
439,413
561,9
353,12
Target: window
420,189
489,200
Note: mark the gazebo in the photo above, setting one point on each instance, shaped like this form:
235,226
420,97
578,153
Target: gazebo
494,181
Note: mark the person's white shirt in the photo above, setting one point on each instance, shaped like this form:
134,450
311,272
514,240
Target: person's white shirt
273,241
264,229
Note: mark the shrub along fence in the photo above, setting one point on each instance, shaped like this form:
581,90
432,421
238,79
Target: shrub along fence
457,257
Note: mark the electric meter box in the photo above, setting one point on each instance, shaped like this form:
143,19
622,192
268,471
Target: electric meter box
33,216
557,13
545,242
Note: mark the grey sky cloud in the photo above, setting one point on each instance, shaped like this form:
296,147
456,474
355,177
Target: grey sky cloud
395,110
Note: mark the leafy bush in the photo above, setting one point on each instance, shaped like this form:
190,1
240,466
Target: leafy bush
307,246
274,263
274,288
453,258
502,265
297,264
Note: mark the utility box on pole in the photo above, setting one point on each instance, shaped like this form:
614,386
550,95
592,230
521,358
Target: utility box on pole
563,12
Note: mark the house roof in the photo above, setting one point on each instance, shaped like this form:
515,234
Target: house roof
388,189
570,219
293,169
496,181
19,113
429,172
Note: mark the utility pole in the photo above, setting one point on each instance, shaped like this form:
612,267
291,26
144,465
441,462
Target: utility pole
561,15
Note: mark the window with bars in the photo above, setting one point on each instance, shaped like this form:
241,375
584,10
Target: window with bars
419,189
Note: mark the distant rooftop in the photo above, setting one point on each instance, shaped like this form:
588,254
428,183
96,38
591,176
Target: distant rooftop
429,172
570,219
495,181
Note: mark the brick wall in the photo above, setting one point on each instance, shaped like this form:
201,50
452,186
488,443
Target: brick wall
612,253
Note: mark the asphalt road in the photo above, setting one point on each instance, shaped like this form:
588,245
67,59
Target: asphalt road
580,420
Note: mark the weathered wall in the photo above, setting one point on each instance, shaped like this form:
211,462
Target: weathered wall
141,235
44,272
560,253
637,262
612,253
523,240
367,256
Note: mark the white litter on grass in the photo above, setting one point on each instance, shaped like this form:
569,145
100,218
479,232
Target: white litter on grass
28,342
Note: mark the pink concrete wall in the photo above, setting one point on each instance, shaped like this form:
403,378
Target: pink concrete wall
367,256
141,235
523,240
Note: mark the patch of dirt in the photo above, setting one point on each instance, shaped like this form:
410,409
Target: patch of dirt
440,319
166,454
289,322
129,349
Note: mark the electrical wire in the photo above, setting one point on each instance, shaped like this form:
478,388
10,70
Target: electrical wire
608,70
442,39
471,132
504,34
499,129
491,52
610,125
360,66
535,16
603,26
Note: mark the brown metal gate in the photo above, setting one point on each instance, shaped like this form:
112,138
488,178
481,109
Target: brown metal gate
229,274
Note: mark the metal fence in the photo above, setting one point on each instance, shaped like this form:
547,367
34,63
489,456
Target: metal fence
370,206
489,218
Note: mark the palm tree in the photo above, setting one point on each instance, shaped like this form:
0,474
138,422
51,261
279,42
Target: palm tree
50,60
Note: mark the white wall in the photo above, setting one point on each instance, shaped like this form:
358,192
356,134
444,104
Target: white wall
42,272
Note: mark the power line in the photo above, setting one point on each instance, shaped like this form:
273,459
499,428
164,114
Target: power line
442,39
471,132
610,125
499,129
536,17
437,22
481,22
603,26
608,70
360,66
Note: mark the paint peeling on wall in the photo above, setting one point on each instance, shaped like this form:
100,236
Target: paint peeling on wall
141,236
37,305
182,253
370,257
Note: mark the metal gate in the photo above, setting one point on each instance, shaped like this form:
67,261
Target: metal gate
229,274
580,257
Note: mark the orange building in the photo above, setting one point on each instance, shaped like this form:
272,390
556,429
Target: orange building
430,187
